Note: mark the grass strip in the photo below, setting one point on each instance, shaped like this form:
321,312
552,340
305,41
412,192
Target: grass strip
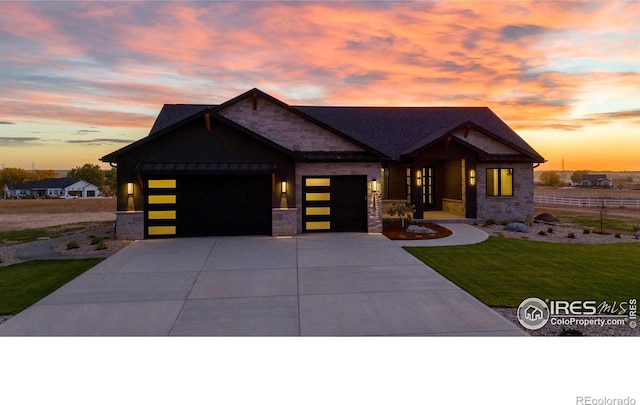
29,235
501,272
24,284
610,224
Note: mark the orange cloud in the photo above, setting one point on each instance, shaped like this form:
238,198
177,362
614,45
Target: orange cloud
540,67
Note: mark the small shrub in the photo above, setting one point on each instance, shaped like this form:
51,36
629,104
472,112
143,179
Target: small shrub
528,223
101,245
586,231
618,236
542,233
571,235
505,222
550,230
490,221
635,228
96,239
72,244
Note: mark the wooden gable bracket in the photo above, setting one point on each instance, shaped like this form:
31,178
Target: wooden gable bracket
467,129
254,99
447,143
207,121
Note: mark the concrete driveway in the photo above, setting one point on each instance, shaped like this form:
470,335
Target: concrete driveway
311,285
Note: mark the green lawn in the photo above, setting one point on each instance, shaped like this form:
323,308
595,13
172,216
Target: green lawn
22,285
501,272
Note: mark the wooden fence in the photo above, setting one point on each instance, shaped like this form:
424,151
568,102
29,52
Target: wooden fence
588,202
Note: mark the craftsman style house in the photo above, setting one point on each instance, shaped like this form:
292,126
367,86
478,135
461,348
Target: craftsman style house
256,165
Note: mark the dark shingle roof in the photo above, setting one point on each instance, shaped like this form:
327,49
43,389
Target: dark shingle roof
393,131
45,183
174,113
397,130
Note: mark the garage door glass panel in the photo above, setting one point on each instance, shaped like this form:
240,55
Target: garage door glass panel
162,184
169,214
318,226
318,196
317,182
318,211
161,230
162,199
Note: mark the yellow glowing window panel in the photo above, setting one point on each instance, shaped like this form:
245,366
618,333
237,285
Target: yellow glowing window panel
162,184
318,196
506,181
317,182
161,215
318,211
318,226
162,199
162,230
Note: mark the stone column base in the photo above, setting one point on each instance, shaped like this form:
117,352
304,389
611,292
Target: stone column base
284,221
130,225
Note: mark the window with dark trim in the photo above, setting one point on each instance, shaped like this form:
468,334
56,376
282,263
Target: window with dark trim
499,182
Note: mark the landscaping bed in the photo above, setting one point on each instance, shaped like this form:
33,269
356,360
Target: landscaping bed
394,230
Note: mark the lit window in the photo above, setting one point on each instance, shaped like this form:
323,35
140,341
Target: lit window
499,182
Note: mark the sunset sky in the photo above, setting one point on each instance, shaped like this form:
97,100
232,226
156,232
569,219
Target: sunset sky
81,79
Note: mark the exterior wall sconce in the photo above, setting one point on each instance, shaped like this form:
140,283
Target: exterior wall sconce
472,177
418,178
283,187
374,185
130,189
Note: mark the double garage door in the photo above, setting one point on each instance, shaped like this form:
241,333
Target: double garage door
214,205
208,205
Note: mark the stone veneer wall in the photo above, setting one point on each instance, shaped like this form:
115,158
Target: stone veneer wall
284,221
285,128
516,208
129,225
453,206
371,170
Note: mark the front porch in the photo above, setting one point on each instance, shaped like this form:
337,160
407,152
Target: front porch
430,216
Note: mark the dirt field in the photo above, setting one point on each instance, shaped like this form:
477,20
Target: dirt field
28,214
587,192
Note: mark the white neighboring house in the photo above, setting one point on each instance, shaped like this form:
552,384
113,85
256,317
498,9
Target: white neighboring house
61,188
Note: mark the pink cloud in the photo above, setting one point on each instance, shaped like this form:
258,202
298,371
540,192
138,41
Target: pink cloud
536,66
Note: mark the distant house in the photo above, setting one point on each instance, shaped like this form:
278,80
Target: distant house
60,187
596,180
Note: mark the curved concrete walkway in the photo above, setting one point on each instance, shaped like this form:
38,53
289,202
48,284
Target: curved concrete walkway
463,234
350,284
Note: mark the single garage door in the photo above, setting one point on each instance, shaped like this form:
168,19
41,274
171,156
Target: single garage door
209,205
334,204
